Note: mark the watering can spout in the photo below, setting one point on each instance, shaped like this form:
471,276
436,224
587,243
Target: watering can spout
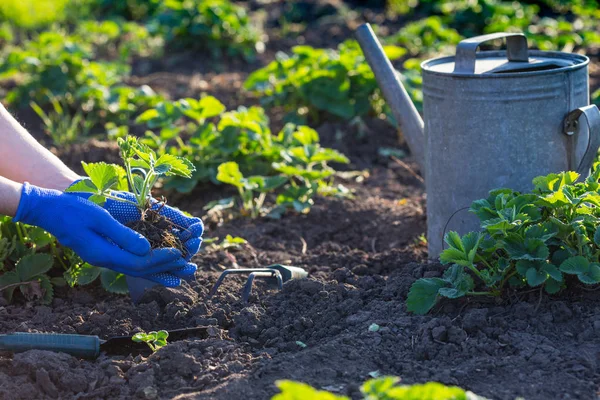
394,92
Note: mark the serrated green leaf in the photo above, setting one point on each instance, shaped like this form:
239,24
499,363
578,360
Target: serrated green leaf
85,185
301,391
592,276
172,165
81,274
104,176
113,282
535,277
552,271
32,265
423,294
453,240
229,172
575,265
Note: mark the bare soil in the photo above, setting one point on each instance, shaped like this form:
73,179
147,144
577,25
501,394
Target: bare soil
362,255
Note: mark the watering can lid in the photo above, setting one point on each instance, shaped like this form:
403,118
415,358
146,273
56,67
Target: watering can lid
516,59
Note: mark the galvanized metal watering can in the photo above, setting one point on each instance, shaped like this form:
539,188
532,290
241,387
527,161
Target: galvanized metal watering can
491,119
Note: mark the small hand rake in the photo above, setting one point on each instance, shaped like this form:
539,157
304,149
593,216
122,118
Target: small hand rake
275,273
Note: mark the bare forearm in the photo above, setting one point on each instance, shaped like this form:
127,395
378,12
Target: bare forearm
22,158
10,195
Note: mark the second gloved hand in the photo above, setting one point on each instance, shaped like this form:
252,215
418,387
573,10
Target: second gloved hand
94,234
188,229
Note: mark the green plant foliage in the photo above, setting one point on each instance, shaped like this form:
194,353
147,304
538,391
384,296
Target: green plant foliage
321,82
32,14
34,261
529,239
154,340
238,148
218,26
383,388
143,168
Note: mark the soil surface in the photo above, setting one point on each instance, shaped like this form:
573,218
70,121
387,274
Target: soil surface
362,255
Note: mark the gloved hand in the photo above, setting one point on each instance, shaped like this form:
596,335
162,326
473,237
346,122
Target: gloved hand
189,230
94,234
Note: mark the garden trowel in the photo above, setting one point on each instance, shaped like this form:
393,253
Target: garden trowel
88,346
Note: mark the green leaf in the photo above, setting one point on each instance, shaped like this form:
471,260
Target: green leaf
423,295
575,265
592,276
306,135
394,52
229,172
47,288
597,234
85,185
169,165
104,176
113,282
461,283
81,274
9,278
301,391
32,265
519,248
535,277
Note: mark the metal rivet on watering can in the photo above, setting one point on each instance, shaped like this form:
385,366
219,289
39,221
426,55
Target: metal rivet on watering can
492,119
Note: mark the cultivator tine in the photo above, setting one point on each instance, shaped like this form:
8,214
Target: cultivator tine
224,274
263,274
279,272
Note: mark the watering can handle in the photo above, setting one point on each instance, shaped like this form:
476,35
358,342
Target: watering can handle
466,51
591,115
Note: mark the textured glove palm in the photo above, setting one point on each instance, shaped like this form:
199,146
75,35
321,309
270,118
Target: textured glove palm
93,233
188,229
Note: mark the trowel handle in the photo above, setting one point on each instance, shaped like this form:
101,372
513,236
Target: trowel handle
466,51
76,345
591,114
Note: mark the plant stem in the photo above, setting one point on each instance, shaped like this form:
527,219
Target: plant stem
493,293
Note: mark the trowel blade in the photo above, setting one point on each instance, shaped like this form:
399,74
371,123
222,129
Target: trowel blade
137,287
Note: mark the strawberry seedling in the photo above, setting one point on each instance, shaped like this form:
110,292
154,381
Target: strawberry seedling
143,168
154,340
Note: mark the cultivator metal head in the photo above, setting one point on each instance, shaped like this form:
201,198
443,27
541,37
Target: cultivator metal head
277,273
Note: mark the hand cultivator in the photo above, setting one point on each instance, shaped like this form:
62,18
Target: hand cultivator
275,273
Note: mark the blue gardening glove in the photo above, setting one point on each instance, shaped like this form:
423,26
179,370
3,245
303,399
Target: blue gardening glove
93,233
189,230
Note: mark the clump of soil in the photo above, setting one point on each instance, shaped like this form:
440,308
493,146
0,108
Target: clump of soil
158,230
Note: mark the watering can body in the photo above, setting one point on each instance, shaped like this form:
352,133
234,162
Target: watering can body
495,119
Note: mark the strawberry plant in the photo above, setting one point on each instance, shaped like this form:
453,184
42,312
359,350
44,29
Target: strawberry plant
154,340
318,83
384,388
239,149
142,169
547,238
217,26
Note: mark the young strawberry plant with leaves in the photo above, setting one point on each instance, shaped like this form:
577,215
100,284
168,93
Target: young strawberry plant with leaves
548,238
154,340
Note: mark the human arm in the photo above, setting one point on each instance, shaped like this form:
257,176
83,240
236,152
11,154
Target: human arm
22,158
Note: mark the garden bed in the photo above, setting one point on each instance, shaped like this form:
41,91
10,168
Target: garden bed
362,256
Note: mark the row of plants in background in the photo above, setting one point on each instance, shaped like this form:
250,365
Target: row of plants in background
382,388
313,84
239,149
32,261
546,239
